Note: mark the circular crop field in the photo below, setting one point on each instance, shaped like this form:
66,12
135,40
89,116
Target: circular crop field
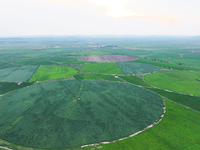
108,58
68,114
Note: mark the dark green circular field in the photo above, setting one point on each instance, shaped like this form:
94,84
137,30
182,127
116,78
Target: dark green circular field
67,114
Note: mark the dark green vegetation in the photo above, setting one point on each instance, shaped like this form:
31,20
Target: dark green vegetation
8,86
179,129
134,80
106,111
187,100
97,77
16,73
186,82
136,68
105,68
44,114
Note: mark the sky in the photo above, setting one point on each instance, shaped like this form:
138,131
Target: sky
99,17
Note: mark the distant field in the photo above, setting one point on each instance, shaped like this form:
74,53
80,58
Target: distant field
35,61
129,68
187,100
50,115
134,80
105,68
7,87
189,62
65,60
16,73
96,77
177,81
87,53
179,129
52,72
108,58
165,65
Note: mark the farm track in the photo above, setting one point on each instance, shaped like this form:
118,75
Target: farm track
5,148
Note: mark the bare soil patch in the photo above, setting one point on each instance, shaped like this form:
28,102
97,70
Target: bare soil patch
108,58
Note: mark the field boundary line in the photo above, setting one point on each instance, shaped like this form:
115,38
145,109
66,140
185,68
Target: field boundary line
150,126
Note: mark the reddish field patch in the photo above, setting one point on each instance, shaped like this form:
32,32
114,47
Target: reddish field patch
108,58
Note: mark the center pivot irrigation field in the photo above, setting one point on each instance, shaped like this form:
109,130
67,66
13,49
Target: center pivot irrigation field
67,114
108,58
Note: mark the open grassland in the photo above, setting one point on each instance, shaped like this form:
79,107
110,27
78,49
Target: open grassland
179,129
105,68
165,65
186,82
134,80
129,68
97,77
187,100
52,72
16,73
7,86
67,114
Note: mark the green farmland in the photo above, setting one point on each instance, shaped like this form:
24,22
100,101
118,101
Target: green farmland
51,99
105,68
52,109
177,81
16,73
97,77
179,129
52,72
129,68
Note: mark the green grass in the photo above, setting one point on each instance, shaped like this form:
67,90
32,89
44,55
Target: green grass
178,81
52,72
134,80
165,65
7,87
16,73
96,77
187,100
136,68
105,68
48,114
179,129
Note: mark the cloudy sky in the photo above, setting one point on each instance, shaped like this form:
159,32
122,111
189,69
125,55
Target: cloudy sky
99,17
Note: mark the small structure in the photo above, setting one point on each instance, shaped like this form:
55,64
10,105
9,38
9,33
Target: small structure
78,98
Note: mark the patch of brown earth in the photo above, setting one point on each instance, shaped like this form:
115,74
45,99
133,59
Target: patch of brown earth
108,58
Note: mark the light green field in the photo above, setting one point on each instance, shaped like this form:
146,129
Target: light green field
179,129
178,81
52,72
105,68
189,62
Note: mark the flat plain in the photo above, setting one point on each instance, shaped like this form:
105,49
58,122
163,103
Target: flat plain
92,102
